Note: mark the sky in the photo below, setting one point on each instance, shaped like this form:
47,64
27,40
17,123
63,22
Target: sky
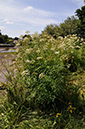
19,16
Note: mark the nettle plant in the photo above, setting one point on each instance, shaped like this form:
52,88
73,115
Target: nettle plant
43,71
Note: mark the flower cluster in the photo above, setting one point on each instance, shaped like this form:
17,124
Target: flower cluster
28,51
41,75
25,72
58,114
71,108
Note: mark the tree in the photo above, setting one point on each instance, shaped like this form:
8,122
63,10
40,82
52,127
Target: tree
69,26
81,15
52,29
16,38
4,39
1,39
0,32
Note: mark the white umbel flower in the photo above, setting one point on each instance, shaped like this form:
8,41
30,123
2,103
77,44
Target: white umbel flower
25,72
28,51
38,58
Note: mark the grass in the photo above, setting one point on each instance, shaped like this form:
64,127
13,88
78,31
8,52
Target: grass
79,79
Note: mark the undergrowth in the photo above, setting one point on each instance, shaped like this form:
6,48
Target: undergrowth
45,89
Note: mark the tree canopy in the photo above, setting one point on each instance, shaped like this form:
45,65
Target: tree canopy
69,26
81,15
4,39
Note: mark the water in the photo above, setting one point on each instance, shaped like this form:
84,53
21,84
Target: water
7,51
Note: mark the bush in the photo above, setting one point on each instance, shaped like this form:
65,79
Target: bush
43,72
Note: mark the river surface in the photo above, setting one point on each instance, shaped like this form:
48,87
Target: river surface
7,49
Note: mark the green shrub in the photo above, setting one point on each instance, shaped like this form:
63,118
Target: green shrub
41,75
44,68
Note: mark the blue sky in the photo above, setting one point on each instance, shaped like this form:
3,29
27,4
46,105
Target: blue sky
19,16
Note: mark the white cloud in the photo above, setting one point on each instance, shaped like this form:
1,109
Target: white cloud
7,21
79,2
23,18
37,12
29,15
28,8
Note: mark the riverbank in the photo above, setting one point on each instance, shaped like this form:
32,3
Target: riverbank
5,59
7,48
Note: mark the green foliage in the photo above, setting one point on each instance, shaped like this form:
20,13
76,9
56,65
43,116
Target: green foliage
4,39
11,115
69,26
41,78
81,15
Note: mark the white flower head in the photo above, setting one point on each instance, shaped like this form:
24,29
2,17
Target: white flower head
26,39
41,75
80,43
62,45
27,32
17,44
15,70
35,34
60,37
28,51
25,72
56,52
77,46
21,36
52,49
68,65
38,51
82,39
38,58
71,51
28,61
45,47
42,40
71,47
17,50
